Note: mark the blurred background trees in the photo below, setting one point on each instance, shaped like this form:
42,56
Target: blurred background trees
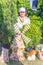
8,16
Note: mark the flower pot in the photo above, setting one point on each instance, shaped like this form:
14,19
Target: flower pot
31,58
31,55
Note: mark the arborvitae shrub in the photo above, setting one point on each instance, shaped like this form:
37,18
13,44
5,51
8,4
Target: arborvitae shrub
9,12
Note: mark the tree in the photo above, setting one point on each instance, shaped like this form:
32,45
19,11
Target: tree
9,18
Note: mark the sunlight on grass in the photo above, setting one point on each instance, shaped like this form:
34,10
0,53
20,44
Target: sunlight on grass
2,63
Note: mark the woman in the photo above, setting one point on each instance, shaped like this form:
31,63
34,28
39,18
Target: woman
22,19
22,23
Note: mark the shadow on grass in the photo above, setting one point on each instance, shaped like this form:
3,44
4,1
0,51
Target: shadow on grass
14,63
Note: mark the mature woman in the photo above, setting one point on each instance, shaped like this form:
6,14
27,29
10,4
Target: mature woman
20,27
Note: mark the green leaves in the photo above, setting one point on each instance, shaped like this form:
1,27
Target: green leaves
23,3
8,16
34,33
36,20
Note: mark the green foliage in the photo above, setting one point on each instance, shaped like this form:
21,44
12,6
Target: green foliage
34,33
40,9
24,3
9,12
36,20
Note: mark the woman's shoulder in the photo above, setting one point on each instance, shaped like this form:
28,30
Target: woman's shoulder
27,18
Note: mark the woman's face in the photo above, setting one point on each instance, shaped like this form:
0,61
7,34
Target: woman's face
22,14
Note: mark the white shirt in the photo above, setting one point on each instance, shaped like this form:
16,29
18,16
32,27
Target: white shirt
20,24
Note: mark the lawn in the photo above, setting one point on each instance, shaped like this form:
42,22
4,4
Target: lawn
25,62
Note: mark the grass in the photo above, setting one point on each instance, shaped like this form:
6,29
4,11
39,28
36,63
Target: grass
25,62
